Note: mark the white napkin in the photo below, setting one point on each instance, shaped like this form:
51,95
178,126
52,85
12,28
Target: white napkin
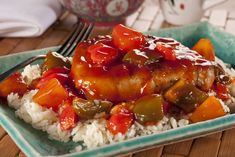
27,18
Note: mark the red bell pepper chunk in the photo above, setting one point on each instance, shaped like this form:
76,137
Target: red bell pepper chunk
61,70
62,78
51,94
166,107
101,53
127,39
120,122
167,51
68,118
60,73
222,91
13,83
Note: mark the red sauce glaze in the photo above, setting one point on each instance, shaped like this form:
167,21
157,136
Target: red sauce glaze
118,81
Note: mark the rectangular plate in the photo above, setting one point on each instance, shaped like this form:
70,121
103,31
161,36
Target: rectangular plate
36,143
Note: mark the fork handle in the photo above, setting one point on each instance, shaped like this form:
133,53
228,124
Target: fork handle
7,73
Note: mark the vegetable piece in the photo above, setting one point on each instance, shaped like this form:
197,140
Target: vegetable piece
205,48
87,109
166,50
167,107
122,107
141,58
102,54
221,76
149,109
62,78
61,74
127,39
185,95
80,54
13,84
172,109
68,118
209,109
120,122
33,83
121,118
53,60
51,94
61,70
222,91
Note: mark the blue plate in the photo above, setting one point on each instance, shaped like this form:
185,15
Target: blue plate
36,143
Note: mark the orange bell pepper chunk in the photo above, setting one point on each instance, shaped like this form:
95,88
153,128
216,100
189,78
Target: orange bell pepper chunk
209,109
14,84
205,48
51,94
126,38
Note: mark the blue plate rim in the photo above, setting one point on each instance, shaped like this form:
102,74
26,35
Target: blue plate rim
169,136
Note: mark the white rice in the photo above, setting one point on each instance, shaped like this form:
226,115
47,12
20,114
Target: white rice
93,132
41,118
13,100
31,72
225,107
55,132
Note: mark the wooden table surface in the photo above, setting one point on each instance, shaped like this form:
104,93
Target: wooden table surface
148,17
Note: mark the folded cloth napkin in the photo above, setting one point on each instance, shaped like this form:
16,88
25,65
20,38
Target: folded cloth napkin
27,18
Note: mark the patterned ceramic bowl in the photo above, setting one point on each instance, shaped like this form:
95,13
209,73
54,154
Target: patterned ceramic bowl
102,10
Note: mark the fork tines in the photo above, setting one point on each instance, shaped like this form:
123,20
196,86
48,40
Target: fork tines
80,33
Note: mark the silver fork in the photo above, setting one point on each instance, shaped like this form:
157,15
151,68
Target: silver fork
81,32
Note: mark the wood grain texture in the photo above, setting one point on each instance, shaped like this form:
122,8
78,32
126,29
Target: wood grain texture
205,147
55,38
181,148
227,148
31,43
155,152
217,135
21,154
8,147
172,155
2,132
8,44
128,155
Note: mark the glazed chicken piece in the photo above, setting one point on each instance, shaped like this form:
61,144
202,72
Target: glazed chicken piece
130,65
117,84
123,82
167,73
187,65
